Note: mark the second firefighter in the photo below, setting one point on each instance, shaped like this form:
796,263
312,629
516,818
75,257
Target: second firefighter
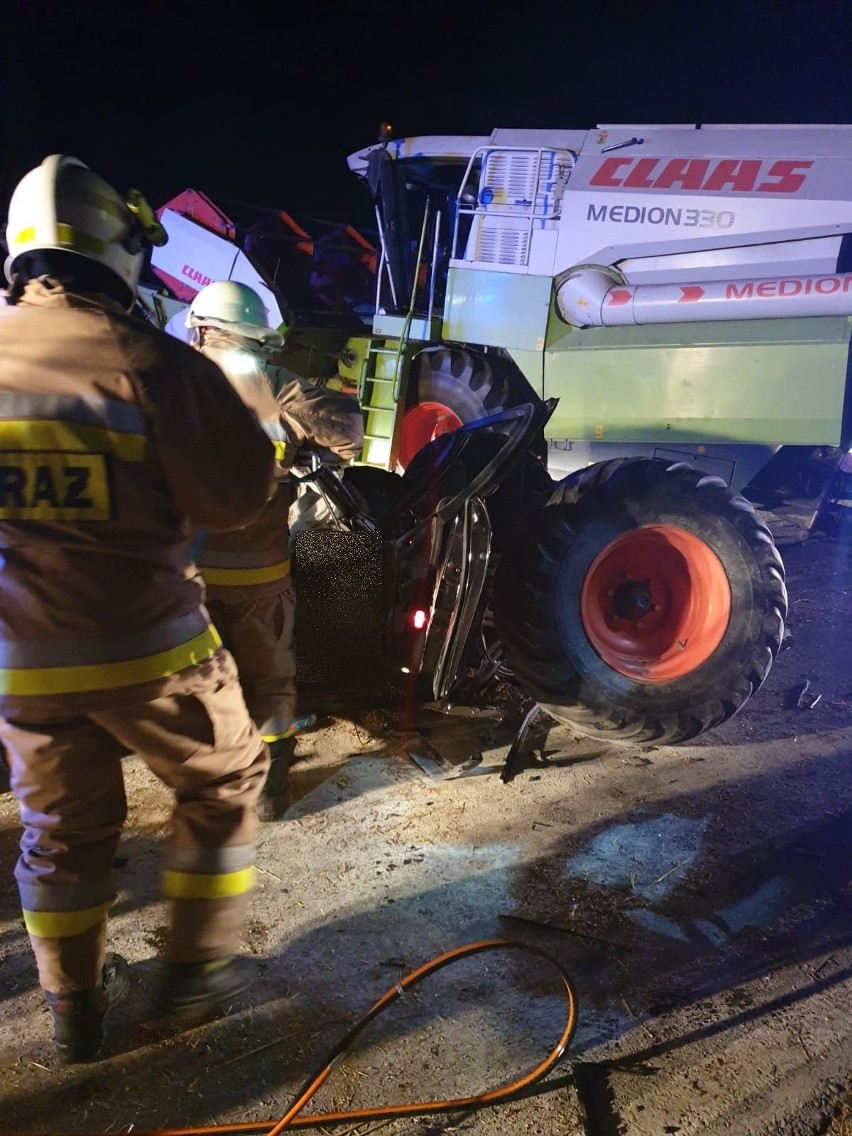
250,594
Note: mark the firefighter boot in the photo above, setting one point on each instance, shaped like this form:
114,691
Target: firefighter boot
275,797
195,990
78,1018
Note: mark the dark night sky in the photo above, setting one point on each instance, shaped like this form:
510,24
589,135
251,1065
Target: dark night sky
261,103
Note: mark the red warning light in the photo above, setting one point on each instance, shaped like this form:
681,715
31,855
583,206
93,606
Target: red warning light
418,618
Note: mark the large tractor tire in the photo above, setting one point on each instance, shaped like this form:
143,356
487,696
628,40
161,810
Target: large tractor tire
451,387
645,603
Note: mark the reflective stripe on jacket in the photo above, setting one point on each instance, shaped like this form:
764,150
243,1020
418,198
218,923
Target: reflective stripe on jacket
106,662
33,421
223,569
253,561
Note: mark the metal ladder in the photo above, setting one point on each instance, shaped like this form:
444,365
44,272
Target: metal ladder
378,394
381,384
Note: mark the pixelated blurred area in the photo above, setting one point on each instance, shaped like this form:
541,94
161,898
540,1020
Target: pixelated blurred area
338,580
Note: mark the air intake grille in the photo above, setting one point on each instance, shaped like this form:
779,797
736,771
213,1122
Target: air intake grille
498,245
509,178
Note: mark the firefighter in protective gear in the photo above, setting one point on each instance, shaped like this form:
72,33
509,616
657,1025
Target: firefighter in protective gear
247,572
106,466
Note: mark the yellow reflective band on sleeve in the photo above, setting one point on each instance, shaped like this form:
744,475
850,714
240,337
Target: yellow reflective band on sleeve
280,450
74,437
108,676
241,576
195,885
63,924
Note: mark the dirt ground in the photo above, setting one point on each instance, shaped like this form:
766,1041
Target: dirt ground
699,897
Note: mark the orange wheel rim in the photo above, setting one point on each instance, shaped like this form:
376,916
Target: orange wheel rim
422,424
656,603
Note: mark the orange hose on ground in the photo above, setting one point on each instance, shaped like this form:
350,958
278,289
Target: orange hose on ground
291,1118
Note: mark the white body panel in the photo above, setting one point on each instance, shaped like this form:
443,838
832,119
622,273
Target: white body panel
662,205
198,257
738,195
815,256
605,228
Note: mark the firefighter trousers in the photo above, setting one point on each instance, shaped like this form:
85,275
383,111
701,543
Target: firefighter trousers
67,778
259,634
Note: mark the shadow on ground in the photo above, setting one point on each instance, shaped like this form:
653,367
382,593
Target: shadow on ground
654,899
665,906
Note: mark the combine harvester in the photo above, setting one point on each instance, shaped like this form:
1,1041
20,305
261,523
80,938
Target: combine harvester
674,299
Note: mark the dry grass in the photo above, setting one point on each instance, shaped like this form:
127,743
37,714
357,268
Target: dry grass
842,1123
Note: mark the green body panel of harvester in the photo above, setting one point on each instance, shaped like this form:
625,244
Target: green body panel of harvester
779,382
772,382
769,381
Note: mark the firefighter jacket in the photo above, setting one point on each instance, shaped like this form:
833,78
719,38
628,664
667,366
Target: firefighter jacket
321,418
116,441
253,562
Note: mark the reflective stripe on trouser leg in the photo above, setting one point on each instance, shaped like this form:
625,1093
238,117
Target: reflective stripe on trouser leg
210,890
203,745
67,779
277,728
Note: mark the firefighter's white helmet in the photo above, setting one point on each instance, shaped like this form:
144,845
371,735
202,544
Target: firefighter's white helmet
64,206
230,306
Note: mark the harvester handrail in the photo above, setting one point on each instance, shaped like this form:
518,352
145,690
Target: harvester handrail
409,315
530,213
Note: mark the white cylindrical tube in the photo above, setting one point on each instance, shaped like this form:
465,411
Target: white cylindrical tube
781,297
580,295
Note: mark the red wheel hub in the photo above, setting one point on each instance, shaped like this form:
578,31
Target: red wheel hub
421,425
656,603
